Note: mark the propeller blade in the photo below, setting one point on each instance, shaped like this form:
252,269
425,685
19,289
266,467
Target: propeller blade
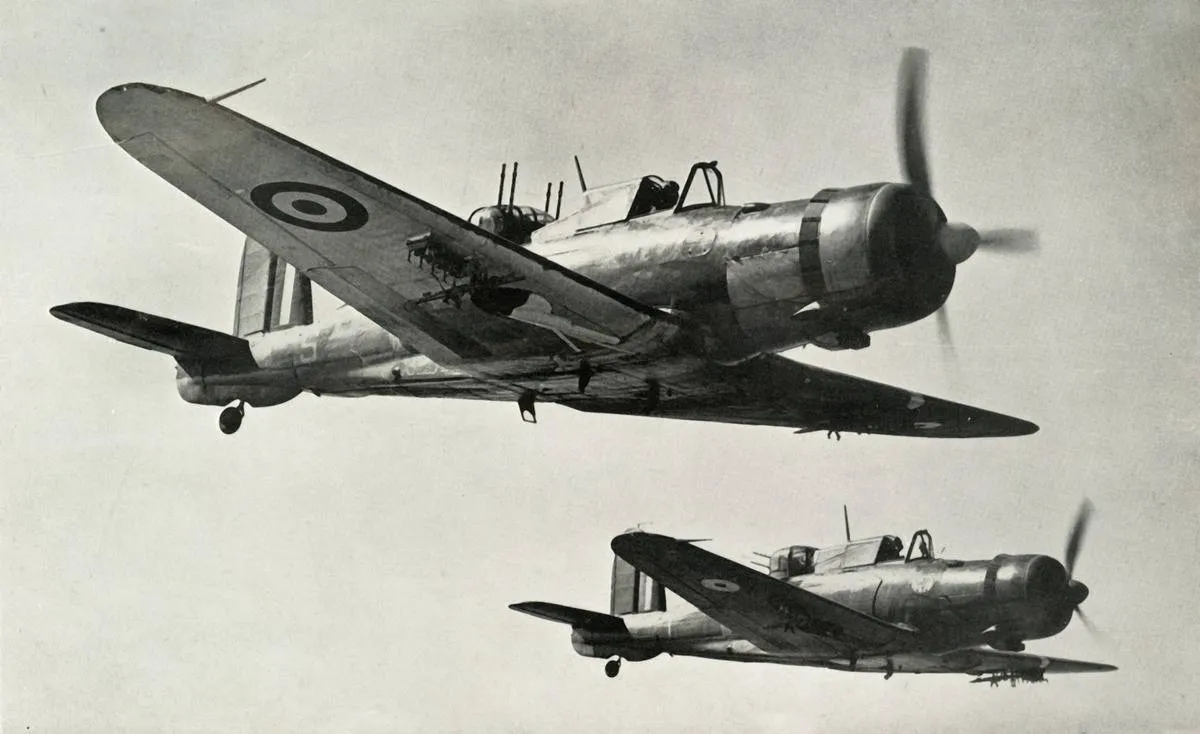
1091,628
1014,241
944,335
1075,539
910,118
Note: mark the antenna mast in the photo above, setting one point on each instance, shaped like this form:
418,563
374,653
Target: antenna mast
846,518
558,208
579,170
500,193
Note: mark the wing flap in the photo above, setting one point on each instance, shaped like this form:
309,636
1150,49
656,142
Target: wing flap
772,614
354,235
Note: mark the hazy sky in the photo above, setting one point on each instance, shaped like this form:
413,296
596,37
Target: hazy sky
345,564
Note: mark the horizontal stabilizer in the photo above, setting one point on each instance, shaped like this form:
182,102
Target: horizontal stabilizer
180,340
591,621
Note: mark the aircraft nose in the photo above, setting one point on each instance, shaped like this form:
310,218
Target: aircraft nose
1045,578
1077,591
957,241
916,222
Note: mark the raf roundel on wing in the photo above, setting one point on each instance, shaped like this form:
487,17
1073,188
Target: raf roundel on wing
310,206
723,585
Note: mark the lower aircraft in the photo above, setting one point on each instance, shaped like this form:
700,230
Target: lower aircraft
648,300
863,606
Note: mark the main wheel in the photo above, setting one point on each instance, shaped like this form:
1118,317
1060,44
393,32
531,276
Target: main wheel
612,667
231,419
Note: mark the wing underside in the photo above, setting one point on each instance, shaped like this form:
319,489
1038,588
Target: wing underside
774,615
455,292
775,391
978,661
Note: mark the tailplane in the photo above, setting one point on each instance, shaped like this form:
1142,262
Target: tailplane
216,368
599,635
184,342
577,618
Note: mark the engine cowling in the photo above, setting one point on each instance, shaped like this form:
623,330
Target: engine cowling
1036,591
838,266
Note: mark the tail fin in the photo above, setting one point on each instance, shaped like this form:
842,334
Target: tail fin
633,592
263,284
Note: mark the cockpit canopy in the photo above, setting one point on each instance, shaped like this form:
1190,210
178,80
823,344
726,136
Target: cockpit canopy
798,560
513,223
621,202
795,560
615,203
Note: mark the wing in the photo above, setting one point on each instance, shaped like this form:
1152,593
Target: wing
983,661
775,391
451,290
774,615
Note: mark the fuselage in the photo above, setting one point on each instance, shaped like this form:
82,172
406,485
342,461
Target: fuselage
754,278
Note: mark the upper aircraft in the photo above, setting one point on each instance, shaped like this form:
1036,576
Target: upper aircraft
649,300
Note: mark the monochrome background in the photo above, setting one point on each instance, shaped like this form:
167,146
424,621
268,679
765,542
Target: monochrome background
346,564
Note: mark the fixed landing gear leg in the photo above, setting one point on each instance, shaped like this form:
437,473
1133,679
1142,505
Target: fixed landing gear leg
653,396
585,376
527,405
612,667
231,418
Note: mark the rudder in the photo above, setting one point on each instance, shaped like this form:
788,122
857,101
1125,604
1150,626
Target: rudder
634,592
263,284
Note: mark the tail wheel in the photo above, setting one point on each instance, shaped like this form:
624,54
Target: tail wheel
231,418
612,667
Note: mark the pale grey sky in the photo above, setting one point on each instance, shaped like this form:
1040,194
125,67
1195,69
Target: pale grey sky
345,565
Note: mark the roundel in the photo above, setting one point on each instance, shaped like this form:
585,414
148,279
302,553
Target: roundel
310,206
720,585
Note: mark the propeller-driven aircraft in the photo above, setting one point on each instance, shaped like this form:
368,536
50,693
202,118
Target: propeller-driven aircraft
648,300
863,606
